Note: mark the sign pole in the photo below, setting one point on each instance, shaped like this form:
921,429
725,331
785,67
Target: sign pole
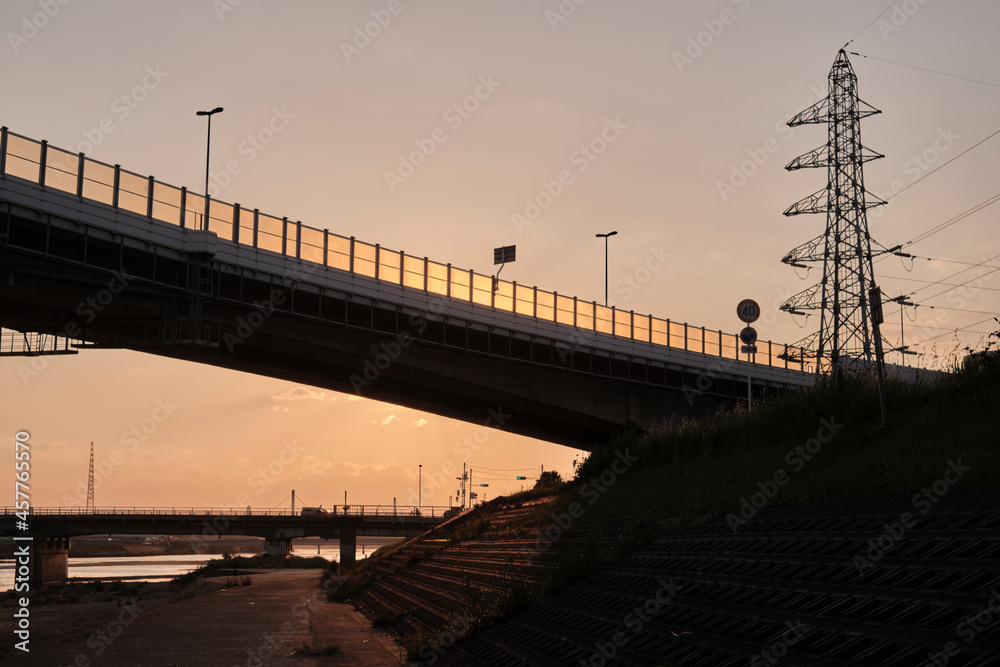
748,311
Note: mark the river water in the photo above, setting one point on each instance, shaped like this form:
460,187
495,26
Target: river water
163,568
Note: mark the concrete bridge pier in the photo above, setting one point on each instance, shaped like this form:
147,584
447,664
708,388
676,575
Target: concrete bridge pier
50,561
277,546
348,544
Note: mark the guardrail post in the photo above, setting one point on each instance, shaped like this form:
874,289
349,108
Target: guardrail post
236,223
350,260
115,189
614,322
425,273
685,336
284,236
256,225
472,286
326,246
184,196
3,151
149,199
298,239
447,288
703,342
378,260
81,161
42,159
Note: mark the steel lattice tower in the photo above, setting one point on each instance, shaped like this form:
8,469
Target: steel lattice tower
90,482
847,338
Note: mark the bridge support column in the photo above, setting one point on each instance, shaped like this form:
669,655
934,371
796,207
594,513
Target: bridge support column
50,561
348,544
278,546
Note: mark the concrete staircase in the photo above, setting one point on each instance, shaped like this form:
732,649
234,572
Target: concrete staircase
850,584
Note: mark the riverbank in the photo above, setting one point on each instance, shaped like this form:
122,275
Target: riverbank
274,617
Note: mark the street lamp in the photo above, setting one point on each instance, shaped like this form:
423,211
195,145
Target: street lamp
605,237
208,150
420,480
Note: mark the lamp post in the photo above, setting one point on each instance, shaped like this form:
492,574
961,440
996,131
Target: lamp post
605,237
208,149
420,480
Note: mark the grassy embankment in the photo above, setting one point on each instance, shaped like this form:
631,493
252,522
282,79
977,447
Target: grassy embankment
824,443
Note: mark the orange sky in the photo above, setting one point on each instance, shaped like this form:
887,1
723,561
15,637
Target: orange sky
500,100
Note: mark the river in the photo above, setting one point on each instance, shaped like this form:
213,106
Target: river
163,568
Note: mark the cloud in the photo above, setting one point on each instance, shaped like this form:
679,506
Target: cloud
388,420
280,408
420,423
315,465
303,394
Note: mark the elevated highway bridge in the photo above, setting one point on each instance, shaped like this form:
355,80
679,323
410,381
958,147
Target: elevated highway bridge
95,256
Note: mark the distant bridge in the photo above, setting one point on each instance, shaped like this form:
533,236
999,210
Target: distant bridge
92,255
48,531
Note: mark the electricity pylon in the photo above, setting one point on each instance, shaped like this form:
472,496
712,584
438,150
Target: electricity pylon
848,336
90,482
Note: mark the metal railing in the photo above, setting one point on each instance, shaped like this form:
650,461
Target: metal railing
74,173
366,511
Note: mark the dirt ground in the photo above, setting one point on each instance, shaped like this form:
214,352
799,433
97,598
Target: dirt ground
280,618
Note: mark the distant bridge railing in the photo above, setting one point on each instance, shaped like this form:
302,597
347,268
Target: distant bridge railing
371,511
73,173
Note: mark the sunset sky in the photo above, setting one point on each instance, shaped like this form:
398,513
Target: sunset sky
432,126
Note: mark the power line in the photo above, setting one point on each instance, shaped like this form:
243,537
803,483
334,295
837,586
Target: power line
871,22
958,218
956,330
922,69
956,286
941,166
920,280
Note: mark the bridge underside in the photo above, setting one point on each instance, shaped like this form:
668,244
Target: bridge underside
111,289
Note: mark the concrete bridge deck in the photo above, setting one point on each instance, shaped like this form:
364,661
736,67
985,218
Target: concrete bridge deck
105,257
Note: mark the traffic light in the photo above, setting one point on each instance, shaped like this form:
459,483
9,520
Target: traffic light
521,477
484,485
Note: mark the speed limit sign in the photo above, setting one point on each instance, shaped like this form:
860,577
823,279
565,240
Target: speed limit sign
748,311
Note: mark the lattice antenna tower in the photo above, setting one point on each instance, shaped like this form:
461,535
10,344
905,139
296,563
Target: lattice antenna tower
90,481
848,337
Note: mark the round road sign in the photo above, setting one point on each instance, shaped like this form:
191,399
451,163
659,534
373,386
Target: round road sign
748,335
748,310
